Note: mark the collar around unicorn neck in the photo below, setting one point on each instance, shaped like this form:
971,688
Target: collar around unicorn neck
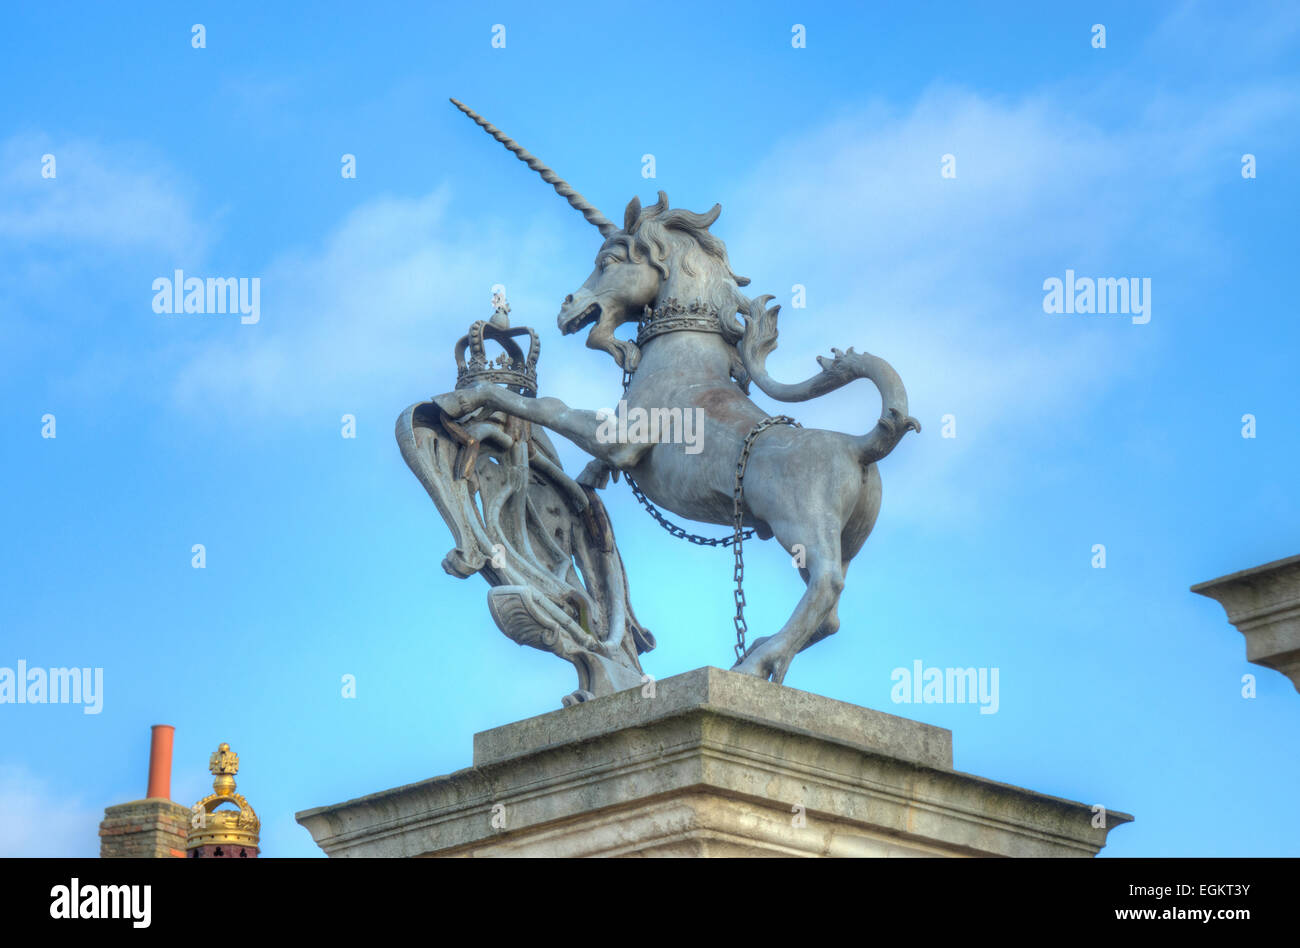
672,316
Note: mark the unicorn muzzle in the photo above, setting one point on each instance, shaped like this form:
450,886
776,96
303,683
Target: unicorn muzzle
573,319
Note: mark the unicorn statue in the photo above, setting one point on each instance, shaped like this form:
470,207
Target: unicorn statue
700,345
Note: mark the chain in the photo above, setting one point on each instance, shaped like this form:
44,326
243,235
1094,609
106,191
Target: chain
740,534
738,515
673,528
663,521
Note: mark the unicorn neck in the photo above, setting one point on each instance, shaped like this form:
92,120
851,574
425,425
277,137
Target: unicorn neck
704,287
687,356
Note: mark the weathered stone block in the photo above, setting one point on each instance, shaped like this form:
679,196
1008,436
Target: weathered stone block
714,764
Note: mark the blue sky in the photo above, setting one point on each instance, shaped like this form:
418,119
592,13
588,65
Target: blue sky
1118,686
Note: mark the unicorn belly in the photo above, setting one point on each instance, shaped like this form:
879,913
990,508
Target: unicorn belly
697,487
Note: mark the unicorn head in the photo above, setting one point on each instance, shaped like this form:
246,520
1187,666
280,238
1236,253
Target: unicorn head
659,254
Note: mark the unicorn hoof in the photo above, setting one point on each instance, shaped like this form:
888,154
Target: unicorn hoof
577,697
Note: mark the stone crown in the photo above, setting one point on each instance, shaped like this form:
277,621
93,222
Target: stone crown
511,367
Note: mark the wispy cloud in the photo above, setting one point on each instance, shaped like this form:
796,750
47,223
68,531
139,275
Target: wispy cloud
42,820
371,315
123,199
943,277
940,276
108,210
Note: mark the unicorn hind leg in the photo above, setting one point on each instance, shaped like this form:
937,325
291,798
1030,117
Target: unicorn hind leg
815,615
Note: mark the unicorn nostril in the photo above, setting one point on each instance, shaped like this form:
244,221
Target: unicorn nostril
568,299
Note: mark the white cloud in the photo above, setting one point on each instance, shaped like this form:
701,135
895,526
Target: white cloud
66,243
943,277
122,199
43,821
371,316
1241,37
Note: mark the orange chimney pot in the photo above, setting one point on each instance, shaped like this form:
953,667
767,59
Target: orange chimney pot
160,762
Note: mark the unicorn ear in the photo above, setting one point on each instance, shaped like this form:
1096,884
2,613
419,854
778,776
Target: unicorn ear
712,216
632,215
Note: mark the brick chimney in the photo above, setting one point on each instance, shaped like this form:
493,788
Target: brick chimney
152,828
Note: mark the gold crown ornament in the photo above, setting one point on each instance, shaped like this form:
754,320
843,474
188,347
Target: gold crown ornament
233,832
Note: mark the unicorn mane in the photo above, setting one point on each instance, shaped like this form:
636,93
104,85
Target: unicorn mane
656,235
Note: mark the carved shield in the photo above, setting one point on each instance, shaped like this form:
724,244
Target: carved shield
542,541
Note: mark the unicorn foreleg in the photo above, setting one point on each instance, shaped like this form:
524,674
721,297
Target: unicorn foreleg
587,429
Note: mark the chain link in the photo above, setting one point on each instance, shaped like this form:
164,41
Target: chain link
663,521
673,528
740,533
738,516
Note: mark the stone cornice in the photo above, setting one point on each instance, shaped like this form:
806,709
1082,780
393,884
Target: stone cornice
1264,604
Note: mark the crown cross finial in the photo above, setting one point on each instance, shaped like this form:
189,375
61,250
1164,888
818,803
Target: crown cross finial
224,761
500,311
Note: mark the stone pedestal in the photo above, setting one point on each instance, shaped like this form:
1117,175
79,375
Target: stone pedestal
1264,604
710,763
144,829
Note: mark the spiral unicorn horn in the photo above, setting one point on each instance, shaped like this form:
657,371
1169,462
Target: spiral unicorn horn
562,187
